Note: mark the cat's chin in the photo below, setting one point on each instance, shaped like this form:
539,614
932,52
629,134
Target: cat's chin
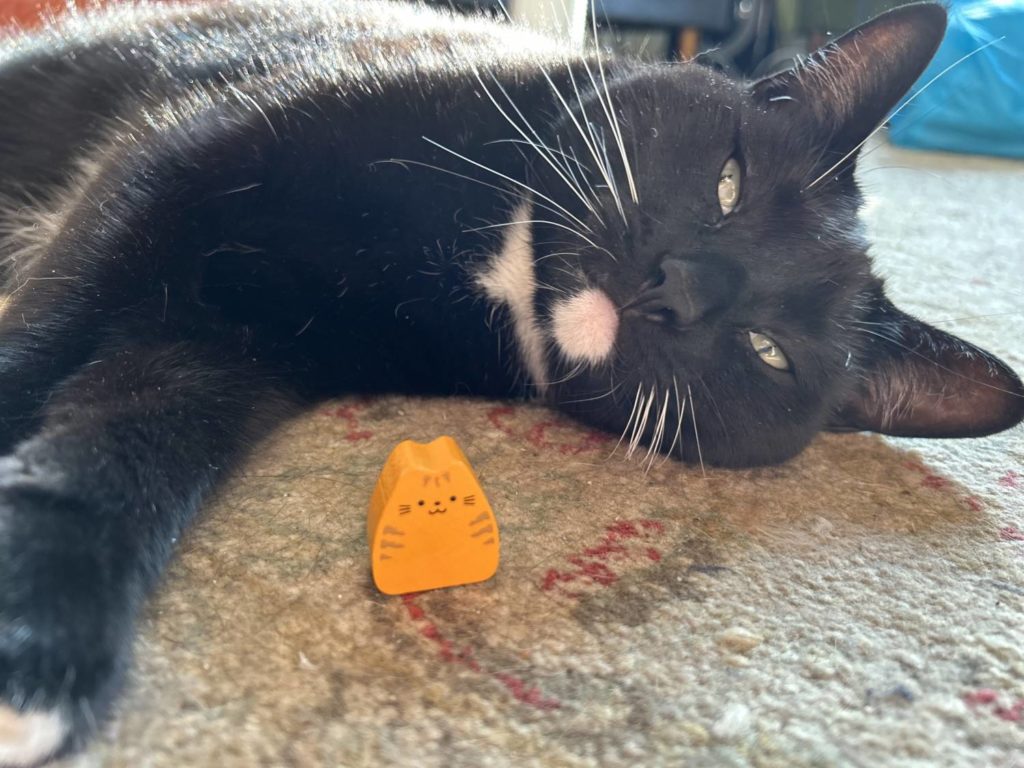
28,738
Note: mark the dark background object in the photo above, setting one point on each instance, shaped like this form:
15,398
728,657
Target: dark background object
744,37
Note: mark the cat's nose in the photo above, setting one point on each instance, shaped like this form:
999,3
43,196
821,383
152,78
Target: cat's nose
685,292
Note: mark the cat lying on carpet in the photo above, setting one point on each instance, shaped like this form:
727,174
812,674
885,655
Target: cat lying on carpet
214,215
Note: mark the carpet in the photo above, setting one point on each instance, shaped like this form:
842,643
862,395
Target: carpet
861,605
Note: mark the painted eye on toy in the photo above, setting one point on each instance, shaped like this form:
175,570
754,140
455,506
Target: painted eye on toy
769,351
729,184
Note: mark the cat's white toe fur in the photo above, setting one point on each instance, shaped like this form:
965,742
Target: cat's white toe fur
28,737
585,325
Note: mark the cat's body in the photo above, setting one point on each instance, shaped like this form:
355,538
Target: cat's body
216,215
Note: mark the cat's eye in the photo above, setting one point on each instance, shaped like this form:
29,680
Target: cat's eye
769,351
451,498
729,185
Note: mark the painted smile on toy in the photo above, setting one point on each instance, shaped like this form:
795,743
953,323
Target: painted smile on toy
437,511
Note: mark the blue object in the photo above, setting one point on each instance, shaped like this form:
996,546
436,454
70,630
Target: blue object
978,105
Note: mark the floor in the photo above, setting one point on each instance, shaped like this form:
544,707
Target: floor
862,605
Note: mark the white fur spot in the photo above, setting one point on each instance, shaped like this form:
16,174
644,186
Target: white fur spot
509,280
28,737
585,325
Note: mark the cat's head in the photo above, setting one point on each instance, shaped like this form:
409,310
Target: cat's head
726,277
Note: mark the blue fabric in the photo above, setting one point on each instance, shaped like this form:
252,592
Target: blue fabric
978,106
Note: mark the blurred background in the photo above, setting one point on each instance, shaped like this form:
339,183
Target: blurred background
975,104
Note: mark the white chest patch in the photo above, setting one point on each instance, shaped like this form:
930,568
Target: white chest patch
509,280
584,326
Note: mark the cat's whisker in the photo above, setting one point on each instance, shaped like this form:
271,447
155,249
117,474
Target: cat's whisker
658,437
501,175
580,235
680,411
588,141
609,393
536,142
609,109
937,364
903,106
609,170
641,425
569,376
714,403
696,434
504,190
570,160
973,317
629,421
584,170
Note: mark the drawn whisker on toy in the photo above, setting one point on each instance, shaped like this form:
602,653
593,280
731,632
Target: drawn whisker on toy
535,142
903,106
509,179
696,434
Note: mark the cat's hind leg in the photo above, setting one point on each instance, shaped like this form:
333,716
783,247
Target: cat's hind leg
91,506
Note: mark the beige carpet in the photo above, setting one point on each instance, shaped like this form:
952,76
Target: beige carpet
861,606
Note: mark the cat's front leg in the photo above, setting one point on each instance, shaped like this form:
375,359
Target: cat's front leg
90,509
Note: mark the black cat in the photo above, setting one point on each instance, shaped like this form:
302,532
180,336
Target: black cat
213,216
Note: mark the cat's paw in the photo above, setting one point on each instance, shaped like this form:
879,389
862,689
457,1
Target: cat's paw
65,617
30,737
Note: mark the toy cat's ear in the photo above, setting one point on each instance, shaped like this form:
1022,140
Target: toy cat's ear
849,86
918,381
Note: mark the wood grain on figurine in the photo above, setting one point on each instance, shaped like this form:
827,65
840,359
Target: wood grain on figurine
429,524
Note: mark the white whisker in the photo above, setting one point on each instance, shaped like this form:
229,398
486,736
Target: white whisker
501,175
632,414
658,437
681,410
578,234
587,140
517,195
537,143
638,430
609,393
609,109
696,434
903,106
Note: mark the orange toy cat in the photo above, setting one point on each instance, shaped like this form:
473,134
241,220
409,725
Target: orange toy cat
429,524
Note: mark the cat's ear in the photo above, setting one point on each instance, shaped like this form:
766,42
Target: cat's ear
919,381
848,87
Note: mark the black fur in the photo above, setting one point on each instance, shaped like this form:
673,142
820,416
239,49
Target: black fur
261,222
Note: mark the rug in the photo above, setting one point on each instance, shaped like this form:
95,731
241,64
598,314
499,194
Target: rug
861,605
